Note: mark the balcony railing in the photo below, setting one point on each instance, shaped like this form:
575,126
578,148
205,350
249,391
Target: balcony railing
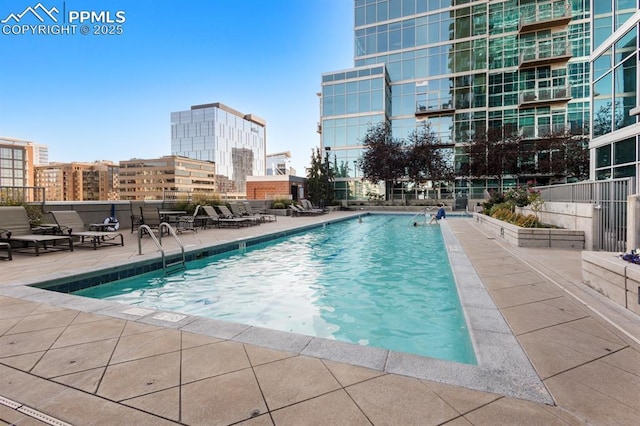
544,54
422,108
547,95
542,131
545,15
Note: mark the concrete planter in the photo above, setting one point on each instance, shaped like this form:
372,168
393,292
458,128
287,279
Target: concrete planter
279,212
532,237
612,277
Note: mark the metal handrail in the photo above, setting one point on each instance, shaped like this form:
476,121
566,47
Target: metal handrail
158,243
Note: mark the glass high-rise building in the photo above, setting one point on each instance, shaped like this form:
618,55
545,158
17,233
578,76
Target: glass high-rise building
465,67
615,131
234,141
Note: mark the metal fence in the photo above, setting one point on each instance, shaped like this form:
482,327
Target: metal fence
609,198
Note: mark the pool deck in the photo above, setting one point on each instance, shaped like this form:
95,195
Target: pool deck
65,359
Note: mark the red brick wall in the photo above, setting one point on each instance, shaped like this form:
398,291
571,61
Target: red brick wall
259,190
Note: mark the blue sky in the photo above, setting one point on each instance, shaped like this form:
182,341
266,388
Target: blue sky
109,97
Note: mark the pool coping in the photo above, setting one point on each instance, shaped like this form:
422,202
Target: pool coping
502,368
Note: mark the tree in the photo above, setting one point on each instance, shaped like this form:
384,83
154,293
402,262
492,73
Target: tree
427,159
314,178
320,178
384,157
497,152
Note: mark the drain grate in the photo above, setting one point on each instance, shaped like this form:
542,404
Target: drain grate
31,412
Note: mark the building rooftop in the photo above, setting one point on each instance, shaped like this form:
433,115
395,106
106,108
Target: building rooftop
81,360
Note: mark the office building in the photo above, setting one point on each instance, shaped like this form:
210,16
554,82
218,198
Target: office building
234,141
76,181
17,160
614,62
465,67
155,178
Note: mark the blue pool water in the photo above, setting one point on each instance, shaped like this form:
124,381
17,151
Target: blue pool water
382,283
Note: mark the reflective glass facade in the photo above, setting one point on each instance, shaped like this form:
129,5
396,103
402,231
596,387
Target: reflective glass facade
463,66
614,68
235,142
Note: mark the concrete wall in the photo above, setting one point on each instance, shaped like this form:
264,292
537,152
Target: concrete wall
612,277
576,216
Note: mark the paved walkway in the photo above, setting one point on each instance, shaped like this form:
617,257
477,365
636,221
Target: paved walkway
82,363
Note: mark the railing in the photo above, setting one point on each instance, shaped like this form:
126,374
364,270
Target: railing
544,52
543,131
609,198
545,95
22,194
423,107
540,13
158,244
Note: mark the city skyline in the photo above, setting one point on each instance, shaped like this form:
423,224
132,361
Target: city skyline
109,96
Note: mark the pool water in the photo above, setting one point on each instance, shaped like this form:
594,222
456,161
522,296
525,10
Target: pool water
381,282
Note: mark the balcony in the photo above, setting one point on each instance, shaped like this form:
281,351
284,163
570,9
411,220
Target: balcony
544,96
544,16
423,109
544,54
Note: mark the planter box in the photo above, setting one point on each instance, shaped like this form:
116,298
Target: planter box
279,212
612,277
532,237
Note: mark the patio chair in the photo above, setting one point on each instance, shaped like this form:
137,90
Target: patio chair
265,216
150,216
70,223
187,222
7,247
136,217
221,221
15,229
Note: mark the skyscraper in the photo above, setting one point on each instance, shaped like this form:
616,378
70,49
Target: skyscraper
234,141
465,67
615,130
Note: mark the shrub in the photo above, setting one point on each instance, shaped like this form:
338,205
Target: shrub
495,198
524,221
278,205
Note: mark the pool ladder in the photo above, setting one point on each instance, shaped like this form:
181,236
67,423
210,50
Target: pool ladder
180,262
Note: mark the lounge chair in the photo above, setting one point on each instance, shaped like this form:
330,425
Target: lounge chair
16,230
265,216
70,223
221,221
241,212
228,214
297,210
306,205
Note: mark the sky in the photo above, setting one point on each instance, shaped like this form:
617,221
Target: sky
95,97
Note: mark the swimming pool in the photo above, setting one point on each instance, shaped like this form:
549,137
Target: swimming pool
382,283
